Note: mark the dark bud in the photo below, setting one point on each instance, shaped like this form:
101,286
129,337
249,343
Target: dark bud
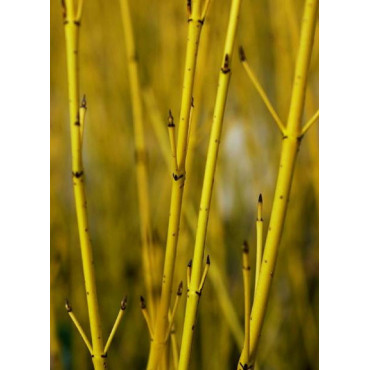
170,119
260,200
208,260
68,306
179,289
245,247
142,302
84,102
190,263
188,6
124,303
242,54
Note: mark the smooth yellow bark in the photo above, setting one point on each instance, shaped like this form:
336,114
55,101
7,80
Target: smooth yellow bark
196,274
159,342
290,146
244,357
72,24
259,233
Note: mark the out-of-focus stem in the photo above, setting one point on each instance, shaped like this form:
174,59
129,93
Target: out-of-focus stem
140,155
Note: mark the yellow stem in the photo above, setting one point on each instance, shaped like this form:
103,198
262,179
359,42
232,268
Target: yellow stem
140,155
171,316
72,42
188,273
79,10
223,296
78,326
145,313
205,272
290,146
83,109
260,91
171,133
116,324
223,84
311,121
259,233
205,9
174,348
159,341
244,358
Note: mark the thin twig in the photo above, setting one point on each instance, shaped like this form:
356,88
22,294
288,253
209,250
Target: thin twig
121,312
310,122
260,90
78,326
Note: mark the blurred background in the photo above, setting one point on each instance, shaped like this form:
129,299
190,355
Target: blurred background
247,166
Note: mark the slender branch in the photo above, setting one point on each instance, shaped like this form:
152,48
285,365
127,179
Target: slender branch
244,358
145,313
188,273
79,10
205,272
260,90
83,110
196,276
218,283
205,9
158,344
174,309
289,150
259,233
310,122
71,27
121,312
78,326
171,134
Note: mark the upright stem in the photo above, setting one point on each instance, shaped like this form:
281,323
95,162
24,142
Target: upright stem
72,24
259,234
193,293
244,357
140,156
158,344
289,150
